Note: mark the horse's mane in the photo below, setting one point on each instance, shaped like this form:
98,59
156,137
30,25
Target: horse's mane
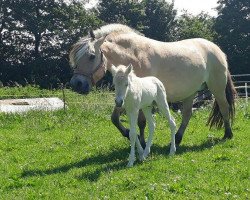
113,28
79,48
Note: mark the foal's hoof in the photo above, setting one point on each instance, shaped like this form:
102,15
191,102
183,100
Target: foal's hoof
130,164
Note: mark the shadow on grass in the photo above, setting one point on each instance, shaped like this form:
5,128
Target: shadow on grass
185,148
115,160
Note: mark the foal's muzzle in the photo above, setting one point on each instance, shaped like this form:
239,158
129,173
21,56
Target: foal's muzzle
118,102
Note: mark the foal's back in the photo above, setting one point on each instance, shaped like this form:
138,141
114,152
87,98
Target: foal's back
152,89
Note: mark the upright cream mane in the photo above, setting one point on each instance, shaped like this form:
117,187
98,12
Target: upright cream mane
80,48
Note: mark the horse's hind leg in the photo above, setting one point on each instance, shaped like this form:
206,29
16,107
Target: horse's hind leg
219,93
186,115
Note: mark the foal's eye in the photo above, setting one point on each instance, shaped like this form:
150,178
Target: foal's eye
126,84
92,57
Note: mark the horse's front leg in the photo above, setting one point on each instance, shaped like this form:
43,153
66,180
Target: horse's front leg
132,136
142,124
115,117
186,115
124,131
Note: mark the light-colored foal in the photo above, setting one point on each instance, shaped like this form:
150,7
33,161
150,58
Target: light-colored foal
134,93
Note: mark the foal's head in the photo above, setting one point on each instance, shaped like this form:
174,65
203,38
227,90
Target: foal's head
121,82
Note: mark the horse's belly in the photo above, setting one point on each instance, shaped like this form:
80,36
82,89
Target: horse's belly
183,82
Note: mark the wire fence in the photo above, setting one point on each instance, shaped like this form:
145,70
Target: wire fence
107,97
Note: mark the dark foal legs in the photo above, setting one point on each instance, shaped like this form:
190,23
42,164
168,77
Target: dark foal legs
186,115
115,117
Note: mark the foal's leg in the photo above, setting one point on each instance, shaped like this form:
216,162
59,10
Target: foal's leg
132,135
151,126
164,108
186,115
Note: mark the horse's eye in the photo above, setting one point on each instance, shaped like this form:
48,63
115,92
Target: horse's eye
126,84
92,57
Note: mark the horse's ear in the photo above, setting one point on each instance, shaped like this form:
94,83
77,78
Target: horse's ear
113,70
91,33
129,69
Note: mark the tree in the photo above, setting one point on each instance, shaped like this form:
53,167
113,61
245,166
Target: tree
39,34
126,12
160,20
233,28
200,26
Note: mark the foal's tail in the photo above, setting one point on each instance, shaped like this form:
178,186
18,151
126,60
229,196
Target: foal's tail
215,118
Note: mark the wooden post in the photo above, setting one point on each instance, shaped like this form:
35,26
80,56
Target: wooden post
64,99
246,93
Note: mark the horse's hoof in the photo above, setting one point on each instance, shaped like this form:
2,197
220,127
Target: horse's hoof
178,139
228,134
126,134
143,143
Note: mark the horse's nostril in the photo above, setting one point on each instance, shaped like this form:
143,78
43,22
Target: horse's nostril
79,84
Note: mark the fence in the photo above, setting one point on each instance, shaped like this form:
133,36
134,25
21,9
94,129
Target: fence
242,87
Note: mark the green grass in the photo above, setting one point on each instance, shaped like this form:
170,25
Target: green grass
79,154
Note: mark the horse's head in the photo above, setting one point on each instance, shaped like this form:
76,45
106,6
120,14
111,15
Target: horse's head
121,82
88,62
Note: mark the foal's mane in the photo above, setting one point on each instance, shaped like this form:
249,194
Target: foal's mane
120,73
80,48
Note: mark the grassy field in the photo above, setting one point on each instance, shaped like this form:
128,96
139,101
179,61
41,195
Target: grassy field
79,154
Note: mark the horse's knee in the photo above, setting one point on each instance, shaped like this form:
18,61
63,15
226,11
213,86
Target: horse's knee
115,118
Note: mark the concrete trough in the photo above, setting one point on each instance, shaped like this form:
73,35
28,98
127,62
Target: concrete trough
25,105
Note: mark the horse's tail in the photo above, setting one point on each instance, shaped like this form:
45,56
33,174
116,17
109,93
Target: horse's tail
215,118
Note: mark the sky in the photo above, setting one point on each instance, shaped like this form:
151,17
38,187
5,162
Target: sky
196,6
192,6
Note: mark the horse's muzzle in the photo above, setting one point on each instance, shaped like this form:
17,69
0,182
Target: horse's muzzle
80,85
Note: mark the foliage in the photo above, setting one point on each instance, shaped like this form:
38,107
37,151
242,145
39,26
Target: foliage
233,28
39,34
154,18
79,154
122,11
199,26
160,20
35,36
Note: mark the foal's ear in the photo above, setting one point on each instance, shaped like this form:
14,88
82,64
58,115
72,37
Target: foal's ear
129,69
91,33
113,70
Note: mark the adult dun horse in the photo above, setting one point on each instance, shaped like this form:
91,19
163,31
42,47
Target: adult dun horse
185,67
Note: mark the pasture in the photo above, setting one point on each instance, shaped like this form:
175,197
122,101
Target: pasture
79,154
